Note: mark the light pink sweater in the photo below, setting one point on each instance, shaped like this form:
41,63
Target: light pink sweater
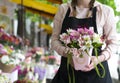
105,25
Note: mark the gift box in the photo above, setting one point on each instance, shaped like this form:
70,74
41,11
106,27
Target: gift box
80,63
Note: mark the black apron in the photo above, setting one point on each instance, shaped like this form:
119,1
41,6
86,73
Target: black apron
80,76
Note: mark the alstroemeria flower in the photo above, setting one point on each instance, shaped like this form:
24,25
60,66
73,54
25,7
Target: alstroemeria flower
90,32
88,44
86,38
96,38
80,30
65,38
74,35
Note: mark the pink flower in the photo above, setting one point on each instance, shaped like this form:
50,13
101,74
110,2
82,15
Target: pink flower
3,51
80,30
51,57
86,30
65,38
74,35
91,31
1,46
80,41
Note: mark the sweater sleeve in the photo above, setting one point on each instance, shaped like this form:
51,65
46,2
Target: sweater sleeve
110,34
57,25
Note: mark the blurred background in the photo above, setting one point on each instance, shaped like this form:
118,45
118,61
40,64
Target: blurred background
25,36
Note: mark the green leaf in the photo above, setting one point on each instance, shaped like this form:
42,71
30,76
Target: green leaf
81,56
96,45
110,3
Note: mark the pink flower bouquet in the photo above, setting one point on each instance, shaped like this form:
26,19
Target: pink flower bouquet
81,41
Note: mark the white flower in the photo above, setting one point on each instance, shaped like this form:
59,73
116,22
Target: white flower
36,76
39,52
83,48
3,79
17,61
5,59
30,75
69,30
88,44
19,56
96,38
86,38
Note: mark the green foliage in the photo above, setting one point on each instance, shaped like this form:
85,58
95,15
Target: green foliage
118,26
43,1
46,2
36,17
110,3
64,1
33,17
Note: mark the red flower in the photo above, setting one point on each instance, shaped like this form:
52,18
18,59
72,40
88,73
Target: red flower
5,37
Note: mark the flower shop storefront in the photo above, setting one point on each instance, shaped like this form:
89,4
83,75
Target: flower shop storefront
19,61
24,66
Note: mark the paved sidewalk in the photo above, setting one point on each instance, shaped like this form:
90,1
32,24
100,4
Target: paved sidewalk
116,81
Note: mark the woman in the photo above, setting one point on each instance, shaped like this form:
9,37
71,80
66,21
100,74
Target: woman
88,13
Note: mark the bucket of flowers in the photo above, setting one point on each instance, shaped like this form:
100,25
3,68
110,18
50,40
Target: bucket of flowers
26,74
51,59
4,78
10,55
10,40
9,58
36,53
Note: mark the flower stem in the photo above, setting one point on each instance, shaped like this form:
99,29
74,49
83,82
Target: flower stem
69,58
101,65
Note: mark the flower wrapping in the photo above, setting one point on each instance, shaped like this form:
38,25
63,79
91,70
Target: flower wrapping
80,62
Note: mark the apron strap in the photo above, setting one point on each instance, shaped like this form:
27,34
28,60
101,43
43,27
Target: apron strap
68,12
94,19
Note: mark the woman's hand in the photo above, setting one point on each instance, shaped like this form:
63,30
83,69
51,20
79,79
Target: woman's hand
94,61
